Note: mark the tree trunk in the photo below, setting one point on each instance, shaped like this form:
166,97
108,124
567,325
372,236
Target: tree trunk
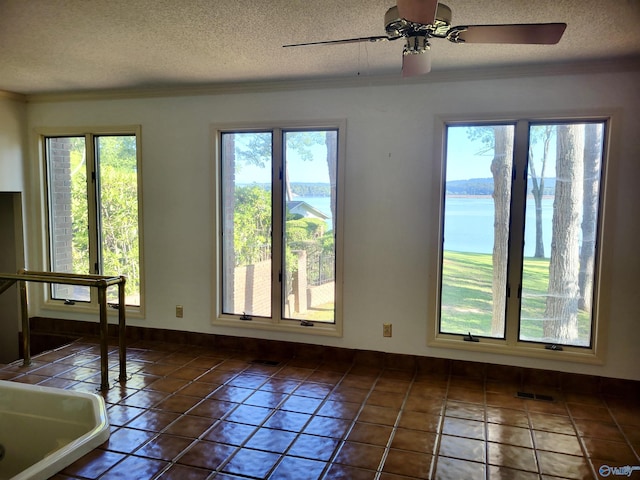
331,141
538,186
287,185
592,158
561,315
539,253
501,166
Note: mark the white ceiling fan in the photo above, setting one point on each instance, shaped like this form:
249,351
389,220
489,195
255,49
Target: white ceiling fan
417,21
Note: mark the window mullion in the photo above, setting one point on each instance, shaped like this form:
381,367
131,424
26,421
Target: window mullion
93,206
516,240
277,229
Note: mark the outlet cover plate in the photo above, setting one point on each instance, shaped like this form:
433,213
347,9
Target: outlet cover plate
387,330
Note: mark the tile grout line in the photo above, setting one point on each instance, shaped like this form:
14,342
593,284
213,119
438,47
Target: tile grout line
349,429
311,417
218,421
387,448
436,447
172,462
266,419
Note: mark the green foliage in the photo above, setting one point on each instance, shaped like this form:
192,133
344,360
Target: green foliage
486,134
119,222
303,189
119,237
252,230
328,242
303,234
79,211
117,151
302,142
253,148
305,229
252,225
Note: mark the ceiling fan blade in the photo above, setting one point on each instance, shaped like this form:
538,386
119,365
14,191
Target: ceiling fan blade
380,38
416,63
418,11
532,33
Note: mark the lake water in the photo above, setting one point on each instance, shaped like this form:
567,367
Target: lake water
469,225
321,203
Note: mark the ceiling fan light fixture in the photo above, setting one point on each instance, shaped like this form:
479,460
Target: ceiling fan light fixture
416,57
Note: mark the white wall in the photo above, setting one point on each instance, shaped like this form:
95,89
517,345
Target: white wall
12,142
388,200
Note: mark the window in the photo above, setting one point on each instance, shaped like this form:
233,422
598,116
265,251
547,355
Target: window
93,208
521,218
279,226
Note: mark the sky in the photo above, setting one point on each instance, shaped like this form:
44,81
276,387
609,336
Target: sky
465,159
300,171
308,171
471,159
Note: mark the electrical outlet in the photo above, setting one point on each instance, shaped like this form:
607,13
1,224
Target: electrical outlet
179,311
386,330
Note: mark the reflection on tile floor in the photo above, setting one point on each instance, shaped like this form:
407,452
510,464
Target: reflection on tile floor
196,413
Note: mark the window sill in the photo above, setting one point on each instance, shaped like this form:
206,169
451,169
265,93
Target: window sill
518,349
92,309
319,329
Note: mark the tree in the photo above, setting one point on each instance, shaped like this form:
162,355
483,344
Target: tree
256,149
561,313
499,140
119,225
501,166
252,225
543,133
592,159
118,183
331,142
79,207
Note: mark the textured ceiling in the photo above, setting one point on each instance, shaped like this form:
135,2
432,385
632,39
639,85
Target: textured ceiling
81,45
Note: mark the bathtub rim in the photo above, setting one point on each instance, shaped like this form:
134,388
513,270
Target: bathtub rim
74,450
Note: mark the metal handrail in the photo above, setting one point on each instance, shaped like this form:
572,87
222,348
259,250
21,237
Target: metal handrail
101,282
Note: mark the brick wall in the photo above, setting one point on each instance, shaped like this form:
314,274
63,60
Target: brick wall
252,292
61,226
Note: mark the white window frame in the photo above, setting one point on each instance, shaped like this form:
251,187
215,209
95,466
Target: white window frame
511,345
276,322
91,307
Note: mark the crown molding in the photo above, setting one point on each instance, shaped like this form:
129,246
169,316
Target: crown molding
13,96
629,64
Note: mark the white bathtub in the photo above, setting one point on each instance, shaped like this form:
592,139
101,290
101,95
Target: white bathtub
43,430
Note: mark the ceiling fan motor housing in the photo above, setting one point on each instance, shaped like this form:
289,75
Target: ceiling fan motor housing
396,26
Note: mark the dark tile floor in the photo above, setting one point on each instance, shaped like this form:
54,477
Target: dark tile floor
194,413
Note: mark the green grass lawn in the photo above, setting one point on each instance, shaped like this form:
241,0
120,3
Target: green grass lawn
321,313
467,298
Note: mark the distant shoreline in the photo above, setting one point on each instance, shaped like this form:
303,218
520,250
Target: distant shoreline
459,195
